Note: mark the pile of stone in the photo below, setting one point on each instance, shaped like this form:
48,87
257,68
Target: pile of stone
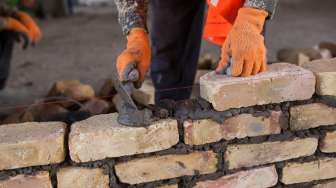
67,101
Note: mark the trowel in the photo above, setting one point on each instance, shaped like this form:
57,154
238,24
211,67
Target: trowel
129,113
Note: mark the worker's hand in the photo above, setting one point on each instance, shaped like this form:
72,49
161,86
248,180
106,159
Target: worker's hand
24,25
245,44
137,55
34,31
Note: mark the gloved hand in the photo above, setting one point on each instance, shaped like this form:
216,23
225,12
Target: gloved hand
136,55
22,23
245,44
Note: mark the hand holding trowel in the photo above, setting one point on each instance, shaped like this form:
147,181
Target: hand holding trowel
129,114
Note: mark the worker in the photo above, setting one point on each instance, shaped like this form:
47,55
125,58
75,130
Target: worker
15,26
176,33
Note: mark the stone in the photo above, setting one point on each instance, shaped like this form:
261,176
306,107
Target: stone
20,116
107,90
292,55
146,94
325,72
72,177
38,113
311,116
255,178
40,180
31,144
328,143
71,88
309,171
96,106
331,184
248,155
206,131
282,82
101,137
329,46
166,167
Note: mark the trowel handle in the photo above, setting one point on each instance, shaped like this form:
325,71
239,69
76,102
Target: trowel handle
134,75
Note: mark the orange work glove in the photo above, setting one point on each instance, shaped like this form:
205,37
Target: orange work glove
245,44
137,55
34,31
24,24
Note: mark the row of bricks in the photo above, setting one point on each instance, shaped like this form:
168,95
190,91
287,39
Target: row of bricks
261,177
100,137
31,144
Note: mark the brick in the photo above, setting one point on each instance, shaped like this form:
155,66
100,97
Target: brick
311,116
40,180
309,171
282,82
325,72
328,143
166,167
245,125
331,184
101,137
169,186
255,178
31,144
247,155
71,177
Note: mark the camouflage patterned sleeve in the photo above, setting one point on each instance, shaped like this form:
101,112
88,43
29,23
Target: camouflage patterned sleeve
5,10
268,5
132,13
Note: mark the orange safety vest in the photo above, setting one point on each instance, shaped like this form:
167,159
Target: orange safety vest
221,16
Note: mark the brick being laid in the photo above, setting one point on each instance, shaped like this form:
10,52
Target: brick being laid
282,82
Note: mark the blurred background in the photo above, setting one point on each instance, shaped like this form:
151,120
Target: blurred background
82,38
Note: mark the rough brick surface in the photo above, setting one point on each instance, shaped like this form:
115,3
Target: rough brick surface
309,171
73,177
328,143
40,180
241,126
247,155
255,178
311,116
169,186
331,184
282,82
31,144
325,72
166,167
102,136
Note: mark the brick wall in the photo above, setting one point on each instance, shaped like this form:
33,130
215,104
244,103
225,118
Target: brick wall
271,130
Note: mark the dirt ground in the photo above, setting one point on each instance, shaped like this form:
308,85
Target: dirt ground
85,45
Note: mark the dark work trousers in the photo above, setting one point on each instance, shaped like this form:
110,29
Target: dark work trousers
7,40
176,34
